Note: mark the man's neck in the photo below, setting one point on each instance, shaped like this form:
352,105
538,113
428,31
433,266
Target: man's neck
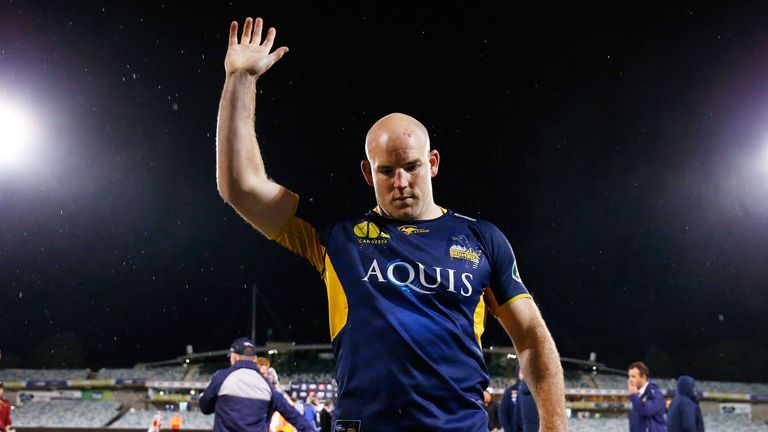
433,212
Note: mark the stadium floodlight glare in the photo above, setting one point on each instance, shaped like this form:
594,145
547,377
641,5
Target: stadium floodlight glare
764,161
16,137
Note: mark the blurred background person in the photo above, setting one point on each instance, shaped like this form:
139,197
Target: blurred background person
5,411
326,416
508,403
310,411
646,401
492,408
242,398
684,411
527,413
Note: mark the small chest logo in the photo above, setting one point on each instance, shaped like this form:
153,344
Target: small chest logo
370,233
411,229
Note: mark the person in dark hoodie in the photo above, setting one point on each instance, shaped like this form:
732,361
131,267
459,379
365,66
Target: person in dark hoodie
684,412
527,414
646,401
508,403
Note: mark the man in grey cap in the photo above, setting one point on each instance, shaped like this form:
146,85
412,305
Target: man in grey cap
242,398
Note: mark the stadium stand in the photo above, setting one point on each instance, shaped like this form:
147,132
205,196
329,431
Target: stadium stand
128,398
43,374
142,418
65,413
173,373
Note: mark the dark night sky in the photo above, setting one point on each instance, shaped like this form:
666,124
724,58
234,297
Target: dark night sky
618,150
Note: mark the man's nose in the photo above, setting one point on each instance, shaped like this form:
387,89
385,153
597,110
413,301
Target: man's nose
401,178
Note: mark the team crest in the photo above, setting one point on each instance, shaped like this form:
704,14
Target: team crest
461,249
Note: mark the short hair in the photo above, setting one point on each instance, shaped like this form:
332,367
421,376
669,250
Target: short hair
640,366
262,361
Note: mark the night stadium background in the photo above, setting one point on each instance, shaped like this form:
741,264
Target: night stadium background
623,151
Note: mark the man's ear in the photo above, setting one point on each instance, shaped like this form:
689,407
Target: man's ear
365,167
434,162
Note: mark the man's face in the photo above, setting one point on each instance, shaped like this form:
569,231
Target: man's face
636,378
400,168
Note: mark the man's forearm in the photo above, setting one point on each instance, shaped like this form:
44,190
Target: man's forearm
544,374
238,158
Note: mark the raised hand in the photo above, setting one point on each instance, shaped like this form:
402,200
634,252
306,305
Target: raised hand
251,55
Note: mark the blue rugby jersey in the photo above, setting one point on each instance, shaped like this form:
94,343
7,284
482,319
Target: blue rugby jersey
407,306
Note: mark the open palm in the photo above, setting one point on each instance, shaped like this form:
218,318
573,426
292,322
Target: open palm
251,55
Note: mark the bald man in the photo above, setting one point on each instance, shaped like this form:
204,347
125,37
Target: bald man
408,282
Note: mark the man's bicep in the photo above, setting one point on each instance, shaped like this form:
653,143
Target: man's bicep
266,205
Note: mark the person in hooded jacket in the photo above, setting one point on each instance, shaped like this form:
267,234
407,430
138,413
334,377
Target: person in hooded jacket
684,411
527,414
507,405
646,401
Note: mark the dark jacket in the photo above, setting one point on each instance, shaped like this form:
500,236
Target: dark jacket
507,409
646,411
493,415
684,411
244,401
325,420
529,414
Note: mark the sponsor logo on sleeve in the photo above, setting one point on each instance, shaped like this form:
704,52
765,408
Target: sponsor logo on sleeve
516,272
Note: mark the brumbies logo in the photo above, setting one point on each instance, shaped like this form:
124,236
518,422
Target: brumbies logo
461,249
411,229
369,233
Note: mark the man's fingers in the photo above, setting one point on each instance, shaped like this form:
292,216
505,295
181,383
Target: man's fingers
270,39
279,53
233,33
259,24
247,28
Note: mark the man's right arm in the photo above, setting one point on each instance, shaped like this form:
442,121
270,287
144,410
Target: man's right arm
210,395
240,174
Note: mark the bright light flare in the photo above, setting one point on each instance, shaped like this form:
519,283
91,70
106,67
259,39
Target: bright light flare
764,161
16,137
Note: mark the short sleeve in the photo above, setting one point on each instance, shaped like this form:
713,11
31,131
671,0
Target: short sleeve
506,286
305,233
